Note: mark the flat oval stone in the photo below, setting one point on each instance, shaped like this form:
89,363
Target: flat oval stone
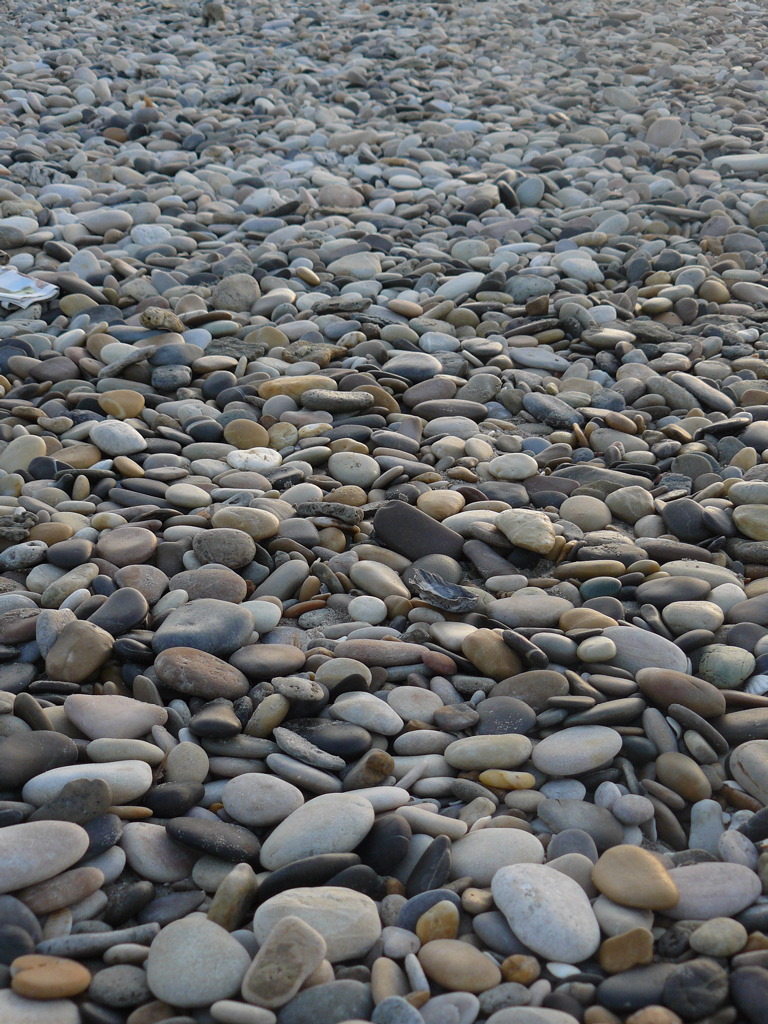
330,823
342,738
458,966
749,988
147,579
366,710
720,937
216,627
216,838
713,890
265,661
753,609
682,775
210,581
25,755
531,1014
48,977
127,780
257,523
347,920
547,911
153,855
117,438
199,674
529,607
62,891
533,688
500,715
35,851
385,653
636,988
481,854
563,813
481,752
574,751
257,800
120,986
665,687
127,545
637,649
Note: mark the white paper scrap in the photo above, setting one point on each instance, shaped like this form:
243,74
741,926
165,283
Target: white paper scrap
20,290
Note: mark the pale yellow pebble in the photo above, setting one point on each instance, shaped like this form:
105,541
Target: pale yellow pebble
127,467
497,778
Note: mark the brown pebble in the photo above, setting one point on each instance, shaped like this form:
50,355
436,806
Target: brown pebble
634,877
665,687
683,775
246,434
520,968
599,1015
441,921
349,494
458,966
654,1015
51,533
438,663
48,977
122,403
80,650
490,655
151,1013
623,952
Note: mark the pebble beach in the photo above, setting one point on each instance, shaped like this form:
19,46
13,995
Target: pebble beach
384,512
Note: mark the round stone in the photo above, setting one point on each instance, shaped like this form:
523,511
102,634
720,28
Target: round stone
117,438
245,433
353,468
259,800
479,855
586,513
194,962
233,548
719,937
